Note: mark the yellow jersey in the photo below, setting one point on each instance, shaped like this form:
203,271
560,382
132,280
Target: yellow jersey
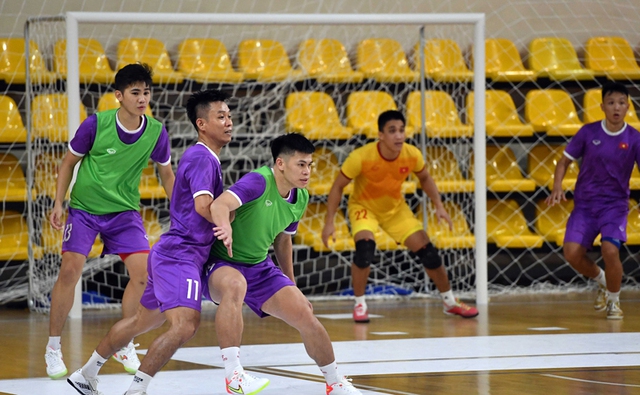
378,181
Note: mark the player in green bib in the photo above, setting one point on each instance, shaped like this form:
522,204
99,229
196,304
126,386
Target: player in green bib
268,203
113,148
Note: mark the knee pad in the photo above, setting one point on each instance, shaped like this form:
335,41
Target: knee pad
429,257
365,249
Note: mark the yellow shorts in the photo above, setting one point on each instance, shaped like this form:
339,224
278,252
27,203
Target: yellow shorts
399,223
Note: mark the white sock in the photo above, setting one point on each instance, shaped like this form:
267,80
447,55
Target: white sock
448,298
613,296
330,373
360,300
601,279
93,365
54,342
140,383
231,359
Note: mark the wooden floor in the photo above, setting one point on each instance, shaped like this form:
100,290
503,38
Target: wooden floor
547,344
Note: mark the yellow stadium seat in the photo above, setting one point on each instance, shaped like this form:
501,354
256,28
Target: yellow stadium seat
150,187
46,174
13,185
503,172
633,224
553,111
12,129
443,61
507,226
613,57
542,164
327,61
442,118
326,169
108,101
314,115
152,52
384,60
151,224
266,61
93,64
206,60
12,63
14,238
310,230
555,58
52,239
441,236
501,115
443,167
503,63
634,181
49,117
551,222
593,113
363,109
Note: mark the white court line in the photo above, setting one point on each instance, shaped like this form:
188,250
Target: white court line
344,316
590,381
388,333
548,328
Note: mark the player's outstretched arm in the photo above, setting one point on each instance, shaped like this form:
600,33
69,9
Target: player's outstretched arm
167,178
65,173
220,209
283,249
557,194
429,187
333,202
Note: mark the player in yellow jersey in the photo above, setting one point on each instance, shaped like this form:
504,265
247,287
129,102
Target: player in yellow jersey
378,170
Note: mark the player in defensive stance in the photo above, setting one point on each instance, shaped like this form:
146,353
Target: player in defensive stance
609,149
115,147
268,203
378,170
176,261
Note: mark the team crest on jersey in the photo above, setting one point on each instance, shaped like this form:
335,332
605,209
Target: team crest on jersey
623,146
404,170
596,142
111,151
268,203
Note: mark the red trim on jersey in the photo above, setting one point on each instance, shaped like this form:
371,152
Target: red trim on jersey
382,156
345,175
126,255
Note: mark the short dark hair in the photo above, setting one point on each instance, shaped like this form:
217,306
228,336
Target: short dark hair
132,74
199,103
611,87
389,115
289,144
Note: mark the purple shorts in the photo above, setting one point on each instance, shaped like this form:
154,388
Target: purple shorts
121,232
172,283
584,224
264,279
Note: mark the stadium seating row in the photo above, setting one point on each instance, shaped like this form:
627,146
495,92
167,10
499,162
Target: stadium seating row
207,60
315,115
507,227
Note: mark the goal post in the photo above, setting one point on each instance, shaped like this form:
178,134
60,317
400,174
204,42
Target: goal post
475,21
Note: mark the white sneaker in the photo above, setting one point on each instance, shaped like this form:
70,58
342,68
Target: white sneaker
244,383
128,358
343,387
55,365
82,384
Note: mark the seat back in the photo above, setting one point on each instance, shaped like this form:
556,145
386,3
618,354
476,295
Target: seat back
550,221
505,218
14,236
501,54
13,185
439,228
312,222
592,111
321,56
201,55
439,107
91,56
310,110
499,108
46,174
11,127
442,164
108,101
549,107
502,164
552,53
542,163
376,55
145,50
609,53
440,55
363,108
259,56
49,116
12,62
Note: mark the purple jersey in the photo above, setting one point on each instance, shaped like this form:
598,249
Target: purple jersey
607,162
190,236
251,186
83,140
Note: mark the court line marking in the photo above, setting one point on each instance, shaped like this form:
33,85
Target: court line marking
590,381
548,328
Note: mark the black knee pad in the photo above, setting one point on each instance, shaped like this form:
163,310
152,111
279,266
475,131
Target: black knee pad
429,257
365,249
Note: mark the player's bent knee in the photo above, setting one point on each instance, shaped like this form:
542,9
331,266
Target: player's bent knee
365,250
429,257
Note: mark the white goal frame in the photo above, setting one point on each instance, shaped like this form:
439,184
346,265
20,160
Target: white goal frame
475,19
